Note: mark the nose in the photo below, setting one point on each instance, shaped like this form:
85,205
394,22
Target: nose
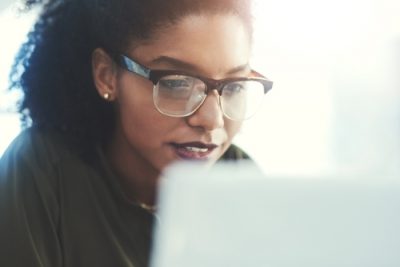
209,115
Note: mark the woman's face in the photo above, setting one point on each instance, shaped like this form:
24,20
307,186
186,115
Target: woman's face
212,46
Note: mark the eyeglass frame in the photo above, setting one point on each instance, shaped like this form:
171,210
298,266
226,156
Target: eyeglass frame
155,75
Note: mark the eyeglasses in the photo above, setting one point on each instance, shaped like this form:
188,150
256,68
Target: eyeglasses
178,94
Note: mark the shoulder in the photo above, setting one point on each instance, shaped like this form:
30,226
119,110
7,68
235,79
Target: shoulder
35,145
31,174
32,159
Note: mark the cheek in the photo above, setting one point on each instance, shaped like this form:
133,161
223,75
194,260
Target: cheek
232,128
140,121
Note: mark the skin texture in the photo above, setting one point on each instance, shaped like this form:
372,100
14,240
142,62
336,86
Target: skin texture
213,46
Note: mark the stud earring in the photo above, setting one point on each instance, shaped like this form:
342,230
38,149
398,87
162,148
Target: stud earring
106,96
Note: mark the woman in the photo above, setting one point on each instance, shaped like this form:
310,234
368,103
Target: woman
116,91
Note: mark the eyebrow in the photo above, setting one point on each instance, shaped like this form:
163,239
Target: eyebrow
191,67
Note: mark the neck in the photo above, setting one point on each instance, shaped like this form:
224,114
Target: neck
138,178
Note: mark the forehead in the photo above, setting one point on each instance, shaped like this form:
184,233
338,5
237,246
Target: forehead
213,44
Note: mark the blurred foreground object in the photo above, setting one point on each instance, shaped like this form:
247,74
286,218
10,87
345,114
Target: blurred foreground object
234,216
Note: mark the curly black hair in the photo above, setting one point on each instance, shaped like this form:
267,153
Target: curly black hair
53,68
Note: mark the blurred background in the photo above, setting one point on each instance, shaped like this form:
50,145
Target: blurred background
335,105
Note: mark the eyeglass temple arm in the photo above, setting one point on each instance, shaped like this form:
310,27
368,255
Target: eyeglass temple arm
134,67
267,85
264,80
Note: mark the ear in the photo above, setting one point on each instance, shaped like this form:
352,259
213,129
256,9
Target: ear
104,73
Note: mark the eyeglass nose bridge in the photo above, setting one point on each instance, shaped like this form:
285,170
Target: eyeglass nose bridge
213,85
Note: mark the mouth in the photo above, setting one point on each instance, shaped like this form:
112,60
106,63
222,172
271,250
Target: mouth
193,150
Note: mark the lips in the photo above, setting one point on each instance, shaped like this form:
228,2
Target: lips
193,150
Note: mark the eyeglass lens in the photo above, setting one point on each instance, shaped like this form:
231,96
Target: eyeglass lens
181,95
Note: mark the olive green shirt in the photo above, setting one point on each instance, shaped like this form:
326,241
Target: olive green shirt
58,210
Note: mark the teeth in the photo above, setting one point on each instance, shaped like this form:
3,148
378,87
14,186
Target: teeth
196,149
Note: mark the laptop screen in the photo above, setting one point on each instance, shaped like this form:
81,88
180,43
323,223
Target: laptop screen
233,215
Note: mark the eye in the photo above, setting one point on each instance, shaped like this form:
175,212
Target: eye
176,86
234,88
171,83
